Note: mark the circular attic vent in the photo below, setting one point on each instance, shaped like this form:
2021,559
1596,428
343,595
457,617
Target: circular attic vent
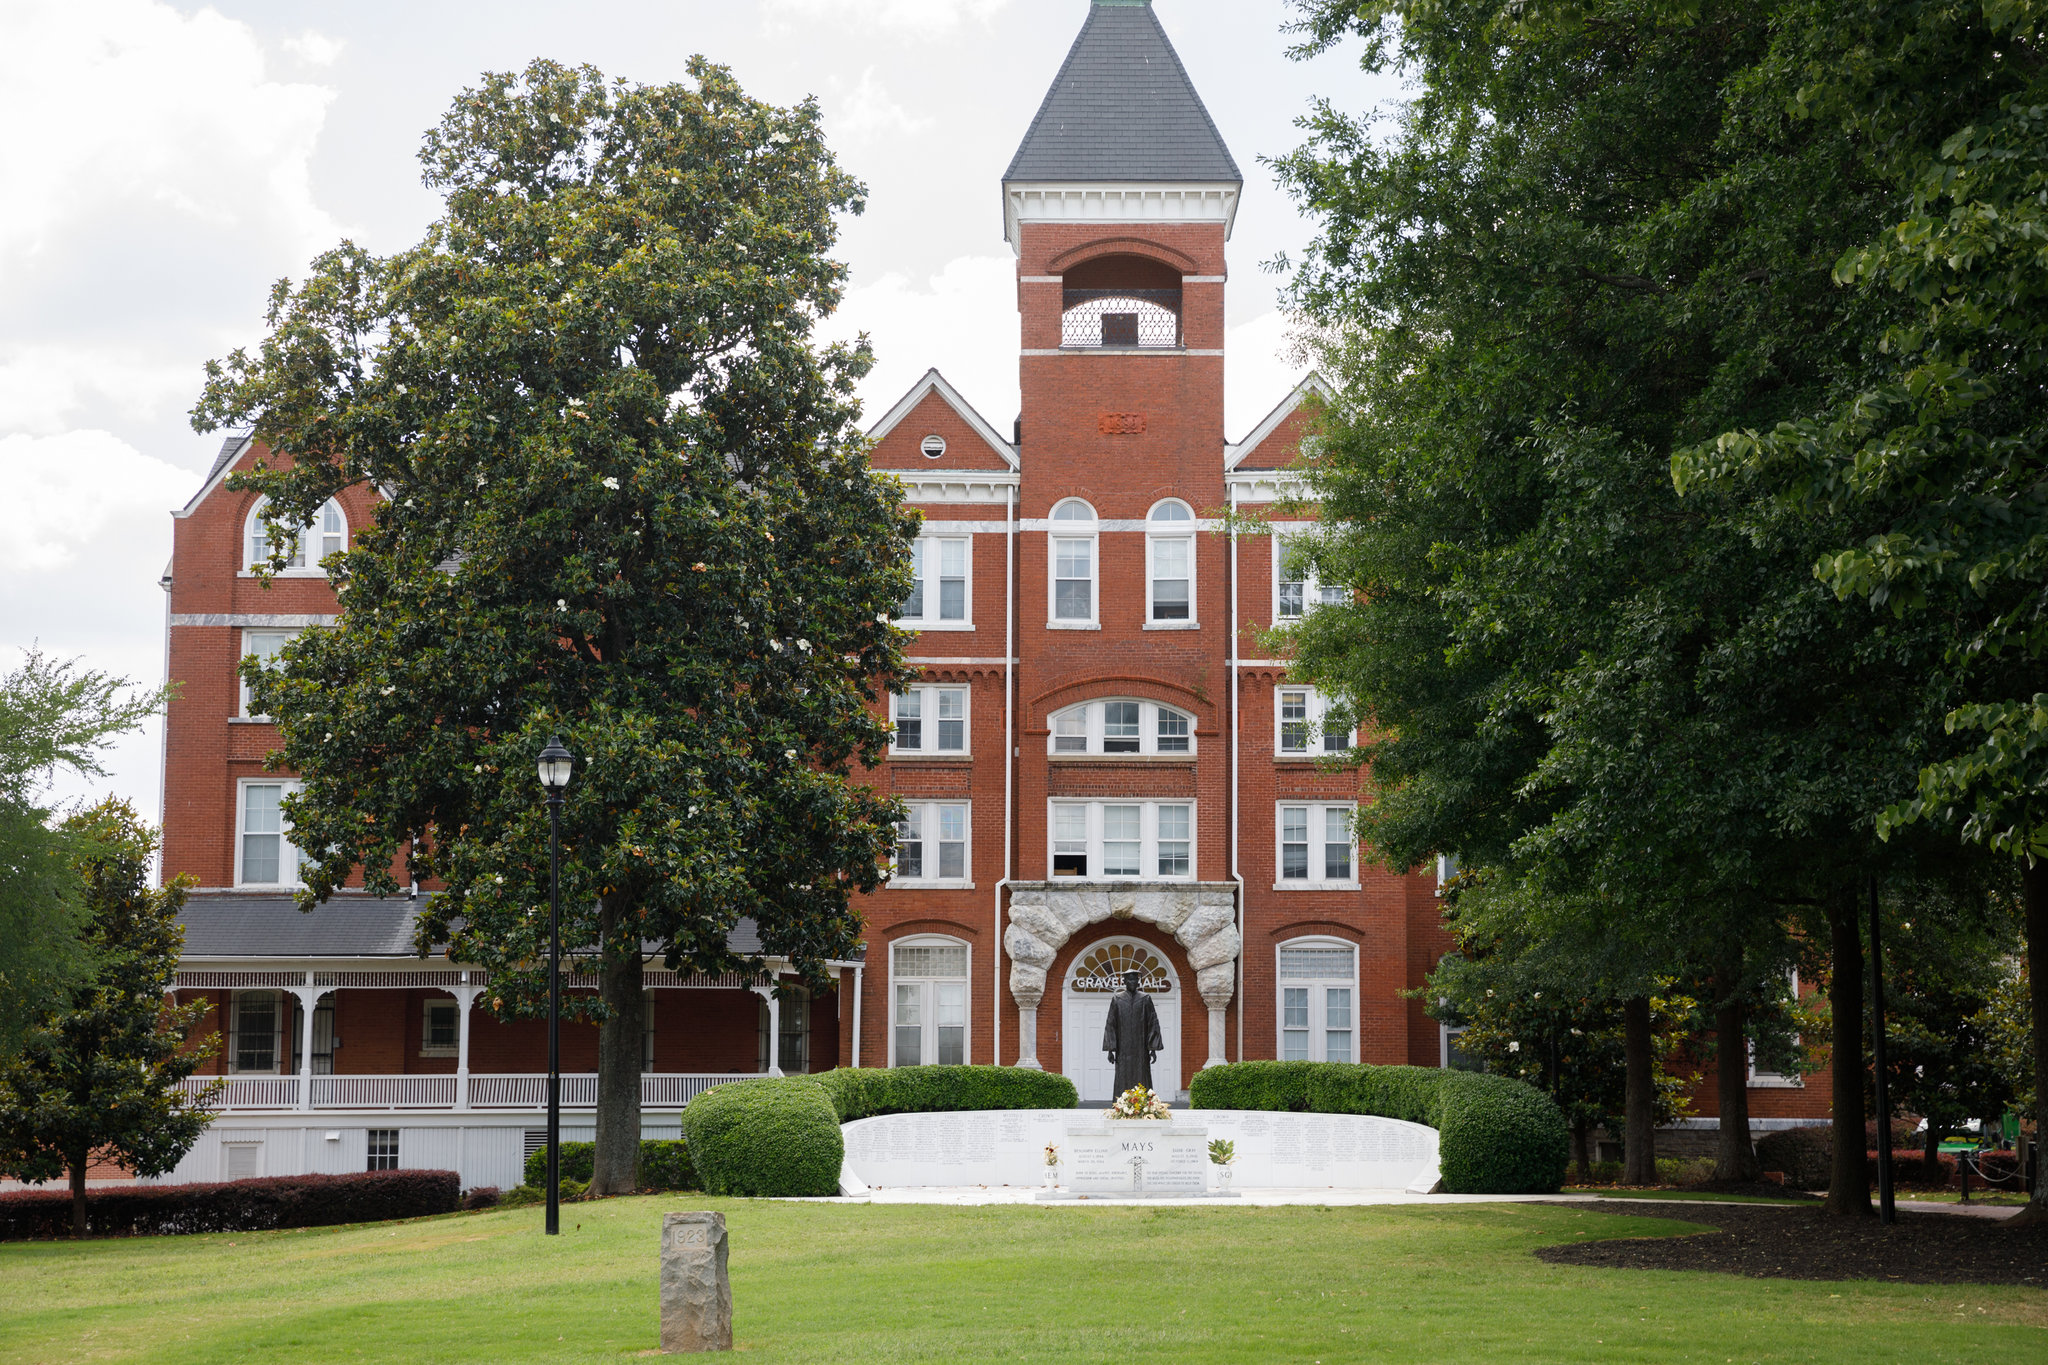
933,447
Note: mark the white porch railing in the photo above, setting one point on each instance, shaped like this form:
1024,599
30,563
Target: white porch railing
443,1091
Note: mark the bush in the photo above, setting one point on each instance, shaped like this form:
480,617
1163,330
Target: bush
864,1092
1805,1155
663,1165
1685,1170
284,1201
1494,1135
482,1197
777,1137
523,1197
1911,1168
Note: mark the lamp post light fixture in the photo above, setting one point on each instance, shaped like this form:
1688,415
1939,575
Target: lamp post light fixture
556,766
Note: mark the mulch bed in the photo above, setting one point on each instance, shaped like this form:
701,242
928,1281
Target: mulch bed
1800,1244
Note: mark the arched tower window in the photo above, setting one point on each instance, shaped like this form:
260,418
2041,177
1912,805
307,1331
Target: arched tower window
327,535
1121,302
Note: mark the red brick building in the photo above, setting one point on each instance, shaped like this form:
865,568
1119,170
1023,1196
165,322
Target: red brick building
1102,766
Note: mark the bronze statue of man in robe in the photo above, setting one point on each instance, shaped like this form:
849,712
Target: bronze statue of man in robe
1131,1034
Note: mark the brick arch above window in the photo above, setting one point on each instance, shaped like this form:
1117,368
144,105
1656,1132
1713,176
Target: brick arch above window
1316,928
1123,246
917,928
1039,709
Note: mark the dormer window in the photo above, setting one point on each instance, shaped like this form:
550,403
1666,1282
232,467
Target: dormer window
328,535
1121,726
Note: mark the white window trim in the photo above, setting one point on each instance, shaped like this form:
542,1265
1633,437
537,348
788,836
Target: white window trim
930,719
1172,530
1318,1045
280,1025
243,683
427,1048
1318,708
290,785
1445,1033
311,569
930,620
1317,845
1148,839
931,857
1774,1080
1090,531
931,1026
1311,587
1148,730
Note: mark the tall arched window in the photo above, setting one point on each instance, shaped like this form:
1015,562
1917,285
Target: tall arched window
1073,564
1170,565
928,1001
327,535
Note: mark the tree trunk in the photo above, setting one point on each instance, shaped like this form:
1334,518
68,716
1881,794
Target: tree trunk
78,1163
615,1162
1639,1125
2034,896
1849,1185
1734,1153
1582,1150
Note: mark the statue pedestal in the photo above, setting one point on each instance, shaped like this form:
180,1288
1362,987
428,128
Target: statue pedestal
1138,1159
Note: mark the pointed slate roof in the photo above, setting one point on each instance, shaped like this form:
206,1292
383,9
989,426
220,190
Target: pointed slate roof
1123,109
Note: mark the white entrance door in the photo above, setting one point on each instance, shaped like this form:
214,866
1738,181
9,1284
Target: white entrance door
1084,1011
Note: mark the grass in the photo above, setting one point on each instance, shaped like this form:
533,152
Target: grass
816,1282
1701,1196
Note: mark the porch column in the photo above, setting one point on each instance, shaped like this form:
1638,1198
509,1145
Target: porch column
1027,990
465,996
1217,985
308,997
774,1029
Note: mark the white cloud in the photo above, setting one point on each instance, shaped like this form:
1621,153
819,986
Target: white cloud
914,16
85,491
962,320
1264,366
315,49
867,111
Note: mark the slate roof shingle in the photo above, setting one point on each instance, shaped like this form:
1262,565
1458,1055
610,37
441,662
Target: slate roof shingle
1123,109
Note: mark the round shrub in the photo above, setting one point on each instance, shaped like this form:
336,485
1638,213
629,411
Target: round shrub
776,1138
1494,1135
864,1092
1806,1156
663,1165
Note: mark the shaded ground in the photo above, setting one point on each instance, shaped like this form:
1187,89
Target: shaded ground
1800,1244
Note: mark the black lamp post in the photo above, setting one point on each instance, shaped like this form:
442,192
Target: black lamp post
555,767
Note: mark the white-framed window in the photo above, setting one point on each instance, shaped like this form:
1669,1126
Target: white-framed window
1768,1078
1073,564
328,535
932,843
1453,1057
1170,565
1119,840
1318,1001
943,595
1296,590
264,852
928,1002
1301,725
255,1032
931,720
1316,845
382,1149
440,1028
263,645
1121,725
241,1160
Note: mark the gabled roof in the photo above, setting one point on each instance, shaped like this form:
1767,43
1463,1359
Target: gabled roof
1123,109
230,450
935,383
1236,454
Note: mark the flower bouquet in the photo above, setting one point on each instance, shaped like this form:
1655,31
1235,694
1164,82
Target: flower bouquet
1052,1165
1138,1103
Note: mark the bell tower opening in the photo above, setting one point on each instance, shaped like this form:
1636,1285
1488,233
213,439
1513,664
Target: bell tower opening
1122,303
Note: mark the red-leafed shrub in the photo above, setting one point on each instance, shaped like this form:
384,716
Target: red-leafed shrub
283,1201
1911,1168
482,1197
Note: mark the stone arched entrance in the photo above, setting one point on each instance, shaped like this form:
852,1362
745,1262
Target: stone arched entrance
1095,977
1201,916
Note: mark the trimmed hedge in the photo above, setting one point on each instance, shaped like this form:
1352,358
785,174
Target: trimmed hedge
663,1165
1494,1135
282,1201
865,1092
770,1137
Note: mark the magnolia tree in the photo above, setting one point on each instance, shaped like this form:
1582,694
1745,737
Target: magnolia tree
626,502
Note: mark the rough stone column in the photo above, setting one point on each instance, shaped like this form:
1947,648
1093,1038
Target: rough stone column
1217,986
696,1292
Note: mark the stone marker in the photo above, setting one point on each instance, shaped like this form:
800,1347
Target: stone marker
696,1293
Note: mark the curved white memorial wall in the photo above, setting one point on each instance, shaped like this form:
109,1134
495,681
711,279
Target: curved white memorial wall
1007,1147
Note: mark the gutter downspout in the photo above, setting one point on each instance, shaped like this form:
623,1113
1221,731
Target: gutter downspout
856,1014
163,742
1236,743
1009,758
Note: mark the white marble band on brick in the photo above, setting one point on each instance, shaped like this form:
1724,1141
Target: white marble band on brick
251,620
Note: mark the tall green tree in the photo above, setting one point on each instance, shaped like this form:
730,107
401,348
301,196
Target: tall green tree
627,503
1598,235
53,715
102,1076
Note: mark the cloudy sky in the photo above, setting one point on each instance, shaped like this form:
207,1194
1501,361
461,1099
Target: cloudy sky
167,161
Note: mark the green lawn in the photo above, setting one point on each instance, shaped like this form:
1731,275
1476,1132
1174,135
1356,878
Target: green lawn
900,1283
